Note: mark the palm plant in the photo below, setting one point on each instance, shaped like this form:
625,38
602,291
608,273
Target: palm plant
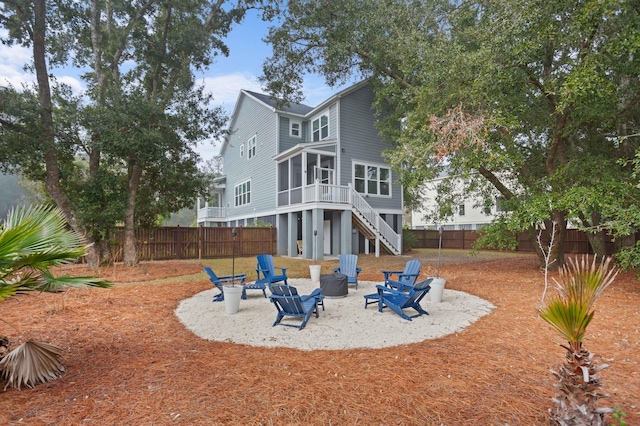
31,241
570,311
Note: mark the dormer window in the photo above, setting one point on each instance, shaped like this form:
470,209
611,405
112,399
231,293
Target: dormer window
294,129
320,128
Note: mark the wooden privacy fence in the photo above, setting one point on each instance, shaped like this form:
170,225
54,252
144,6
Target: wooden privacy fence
177,242
575,241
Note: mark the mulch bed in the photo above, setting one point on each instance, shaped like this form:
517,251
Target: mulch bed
130,361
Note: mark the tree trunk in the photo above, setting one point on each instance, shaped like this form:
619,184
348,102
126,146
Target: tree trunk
596,239
47,138
130,253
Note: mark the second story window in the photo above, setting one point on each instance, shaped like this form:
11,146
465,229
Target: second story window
251,147
320,128
242,193
294,129
371,179
461,209
242,150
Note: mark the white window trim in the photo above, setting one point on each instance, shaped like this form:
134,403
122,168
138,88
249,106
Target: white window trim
235,195
299,123
252,144
241,150
366,187
319,119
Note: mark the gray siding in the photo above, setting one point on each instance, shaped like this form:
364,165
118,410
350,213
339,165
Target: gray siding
286,141
361,142
333,123
252,118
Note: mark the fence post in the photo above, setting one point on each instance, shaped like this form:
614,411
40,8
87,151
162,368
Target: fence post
178,243
200,240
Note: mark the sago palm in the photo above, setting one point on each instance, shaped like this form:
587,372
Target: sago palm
570,312
31,241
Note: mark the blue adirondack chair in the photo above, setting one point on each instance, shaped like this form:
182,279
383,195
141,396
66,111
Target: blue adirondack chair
218,282
290,304
404,279
258,285
267,272
397,300
349,267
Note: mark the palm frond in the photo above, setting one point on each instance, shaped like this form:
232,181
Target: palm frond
580,284
568,317
32,240
30,364
51,283
8,289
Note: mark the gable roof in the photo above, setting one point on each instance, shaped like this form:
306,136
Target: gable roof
291,108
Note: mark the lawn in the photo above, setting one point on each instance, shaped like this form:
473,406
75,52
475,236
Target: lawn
130,361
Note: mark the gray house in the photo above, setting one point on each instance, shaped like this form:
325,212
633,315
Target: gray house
314,173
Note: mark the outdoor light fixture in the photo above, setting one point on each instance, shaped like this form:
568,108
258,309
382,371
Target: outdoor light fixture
315,244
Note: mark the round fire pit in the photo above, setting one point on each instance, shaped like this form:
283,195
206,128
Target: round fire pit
334,285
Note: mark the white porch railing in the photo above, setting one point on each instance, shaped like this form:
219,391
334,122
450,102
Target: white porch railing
212,213
322,192
378,224
325,193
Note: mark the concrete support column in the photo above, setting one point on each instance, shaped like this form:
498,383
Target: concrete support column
307,235
292,230
317,219
346,236
336,241
282,235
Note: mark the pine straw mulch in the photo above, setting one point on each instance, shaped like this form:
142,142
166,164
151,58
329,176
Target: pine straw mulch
130,361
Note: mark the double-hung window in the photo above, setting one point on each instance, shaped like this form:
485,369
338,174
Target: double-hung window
241,150
371,179
251,147
320,128
242,193
295,129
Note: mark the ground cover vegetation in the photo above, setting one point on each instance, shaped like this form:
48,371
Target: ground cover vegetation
128,358
32,241
528,102
123,151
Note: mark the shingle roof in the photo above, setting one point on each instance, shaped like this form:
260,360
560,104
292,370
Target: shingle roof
292,108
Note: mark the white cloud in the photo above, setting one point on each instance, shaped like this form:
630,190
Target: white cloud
77,87
12,61
226,88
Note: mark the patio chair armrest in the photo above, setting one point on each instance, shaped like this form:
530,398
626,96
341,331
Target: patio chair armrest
231,278
284,270
358,270
317,292
396,285
336,270
383,289
387,273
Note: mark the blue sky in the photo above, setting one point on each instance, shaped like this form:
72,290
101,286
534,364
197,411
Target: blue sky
225,78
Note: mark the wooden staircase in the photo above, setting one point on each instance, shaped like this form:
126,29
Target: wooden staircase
373,227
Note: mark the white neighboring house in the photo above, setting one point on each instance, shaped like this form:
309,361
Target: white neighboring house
467,216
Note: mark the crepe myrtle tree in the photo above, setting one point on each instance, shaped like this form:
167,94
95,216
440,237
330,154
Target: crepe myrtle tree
33,239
